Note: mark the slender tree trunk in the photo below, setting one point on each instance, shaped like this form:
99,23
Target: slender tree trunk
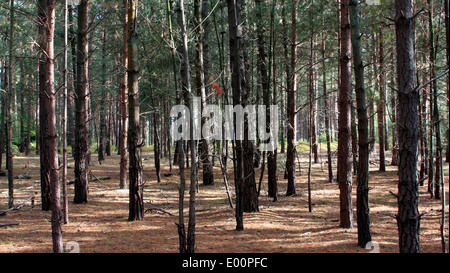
205,156
65,111
157,145
291,106
50,135
103,103
29,118
313,93
190,245
408,217
363,219
381,106
9,152
43,111
447,45
81,118
326,109
11,96
70,117
3,111
394,161
123,102
136,201
344,135
265,82
237,80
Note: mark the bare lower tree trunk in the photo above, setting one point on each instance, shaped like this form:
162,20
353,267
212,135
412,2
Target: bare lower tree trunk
157,146
381,105
291,105
326,110
206,151
81,118
123,102
9,152
103,103
237,80
408,217
265,82
447,45
3,111
65,111
50,135
43,111
363,220
136,201
344,135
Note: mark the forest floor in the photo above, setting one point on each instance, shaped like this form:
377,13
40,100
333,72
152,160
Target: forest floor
286,226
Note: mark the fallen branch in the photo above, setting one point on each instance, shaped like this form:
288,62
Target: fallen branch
161,210
24,176
9,224
98,179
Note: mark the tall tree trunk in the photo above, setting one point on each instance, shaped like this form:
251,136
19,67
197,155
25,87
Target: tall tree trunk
190,240
363,220
435,113
136,201
3,111
50,135
344,135
205,156
237,84
381,105
267,96
103,103
312,93
65,111
291,105
326,107
81,117
43,111
123,102
447,45
70,117
9,152
408,217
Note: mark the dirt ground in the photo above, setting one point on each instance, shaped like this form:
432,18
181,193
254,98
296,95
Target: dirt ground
286,226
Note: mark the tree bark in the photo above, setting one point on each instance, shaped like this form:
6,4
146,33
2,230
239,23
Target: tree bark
103,103
3,111
381,105
326,108
291,105
206,151
136,201
81,117
9,152
408,217
267,96
238,84
344,134
123,102
447,45
43,110
65,209
50,135
363,219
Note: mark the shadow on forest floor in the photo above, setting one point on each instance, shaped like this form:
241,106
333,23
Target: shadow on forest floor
285,226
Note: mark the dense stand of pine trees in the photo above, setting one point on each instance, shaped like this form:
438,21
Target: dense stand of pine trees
372,78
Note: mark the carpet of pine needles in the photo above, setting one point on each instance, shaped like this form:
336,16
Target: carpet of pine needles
286,226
